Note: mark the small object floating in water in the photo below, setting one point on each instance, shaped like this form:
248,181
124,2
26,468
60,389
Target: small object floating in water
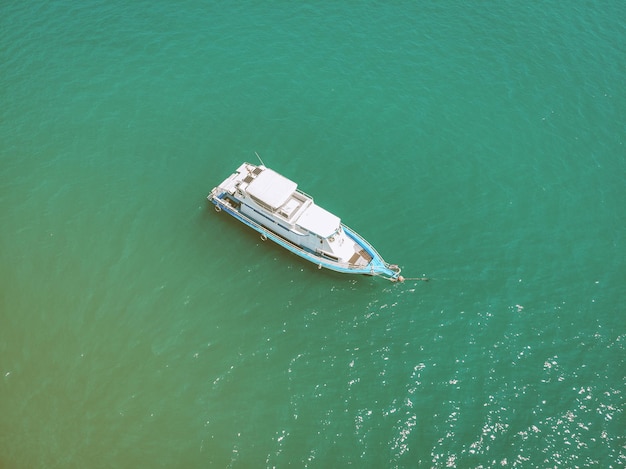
274,206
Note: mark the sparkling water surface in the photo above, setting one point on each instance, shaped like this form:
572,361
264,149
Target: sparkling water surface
481,146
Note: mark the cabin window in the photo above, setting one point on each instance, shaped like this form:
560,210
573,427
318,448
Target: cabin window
262,204
329,256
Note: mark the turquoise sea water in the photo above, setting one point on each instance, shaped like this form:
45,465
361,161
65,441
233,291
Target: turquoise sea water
479,145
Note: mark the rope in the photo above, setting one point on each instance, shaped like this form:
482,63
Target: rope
401,279
423,279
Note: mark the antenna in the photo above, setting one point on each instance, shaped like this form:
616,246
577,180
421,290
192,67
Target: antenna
257,155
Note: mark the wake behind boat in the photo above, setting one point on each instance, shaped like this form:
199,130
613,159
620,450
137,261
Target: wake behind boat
274,206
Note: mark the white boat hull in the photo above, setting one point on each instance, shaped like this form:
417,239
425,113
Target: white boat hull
293,221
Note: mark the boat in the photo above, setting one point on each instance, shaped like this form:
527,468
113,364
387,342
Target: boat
272,204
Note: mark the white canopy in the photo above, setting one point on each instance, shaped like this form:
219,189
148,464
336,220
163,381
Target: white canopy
319,221
271,188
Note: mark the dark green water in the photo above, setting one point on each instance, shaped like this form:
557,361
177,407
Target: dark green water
482,146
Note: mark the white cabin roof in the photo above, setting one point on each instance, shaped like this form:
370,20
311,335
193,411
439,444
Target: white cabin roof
319,221
271,188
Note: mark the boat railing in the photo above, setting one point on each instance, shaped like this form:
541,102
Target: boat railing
263,230
371,248
304,194
251,222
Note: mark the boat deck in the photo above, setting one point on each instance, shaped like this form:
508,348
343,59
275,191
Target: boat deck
360,258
